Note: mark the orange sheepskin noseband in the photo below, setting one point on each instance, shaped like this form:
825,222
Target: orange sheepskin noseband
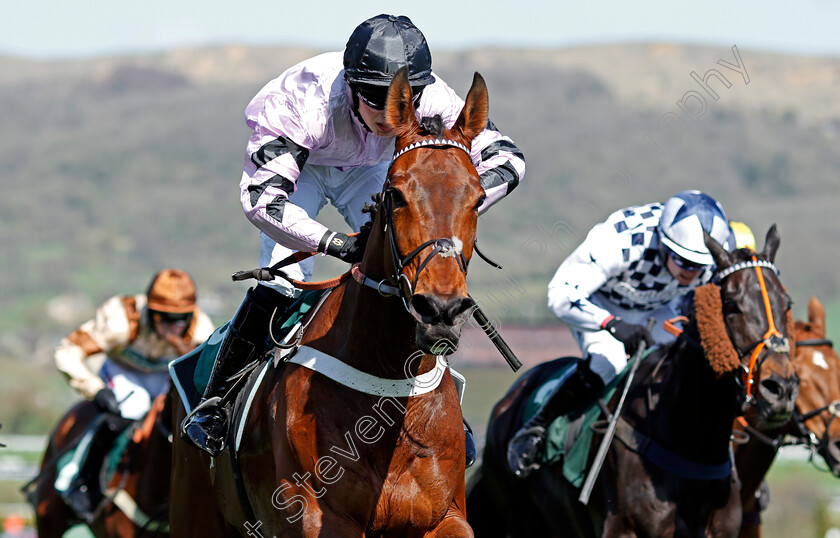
708,311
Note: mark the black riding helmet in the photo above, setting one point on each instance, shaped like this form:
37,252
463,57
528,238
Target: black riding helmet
379,47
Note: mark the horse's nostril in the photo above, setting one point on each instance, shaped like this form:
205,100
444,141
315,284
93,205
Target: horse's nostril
771,388
426,308
456,307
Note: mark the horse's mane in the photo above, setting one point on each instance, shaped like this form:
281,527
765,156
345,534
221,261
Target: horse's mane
370,209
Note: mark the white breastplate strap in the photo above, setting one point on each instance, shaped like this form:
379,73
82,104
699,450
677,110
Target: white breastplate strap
348,376
125,503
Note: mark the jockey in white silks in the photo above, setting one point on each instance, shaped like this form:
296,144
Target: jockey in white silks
637,264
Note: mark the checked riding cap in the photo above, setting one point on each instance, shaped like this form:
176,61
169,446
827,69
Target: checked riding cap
683,220
171,291
380,46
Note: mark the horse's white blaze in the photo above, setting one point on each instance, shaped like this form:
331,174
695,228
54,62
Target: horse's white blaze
819,360
453,251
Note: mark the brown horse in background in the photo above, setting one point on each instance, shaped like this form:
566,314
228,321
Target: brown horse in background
136,497
319,458
668,471
813,423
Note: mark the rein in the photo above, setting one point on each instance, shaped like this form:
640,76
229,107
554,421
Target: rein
773,340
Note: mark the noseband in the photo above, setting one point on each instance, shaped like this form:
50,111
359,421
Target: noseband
443,247
772,340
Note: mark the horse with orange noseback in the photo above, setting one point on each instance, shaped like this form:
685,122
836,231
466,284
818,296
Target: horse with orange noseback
668,471
356,429
812,425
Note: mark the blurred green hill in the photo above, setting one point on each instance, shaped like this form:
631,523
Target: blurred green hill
113,168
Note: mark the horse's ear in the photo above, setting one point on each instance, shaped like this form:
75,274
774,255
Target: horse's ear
473,117
719,254
816,312
399,109
771,244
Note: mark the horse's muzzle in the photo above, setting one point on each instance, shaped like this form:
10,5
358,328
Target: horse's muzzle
439,322
777,398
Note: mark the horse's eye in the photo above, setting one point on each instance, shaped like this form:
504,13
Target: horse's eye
480,201
397,198
731,307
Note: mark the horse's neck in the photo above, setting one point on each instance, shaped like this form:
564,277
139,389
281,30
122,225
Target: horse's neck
370,332
753,459
695,414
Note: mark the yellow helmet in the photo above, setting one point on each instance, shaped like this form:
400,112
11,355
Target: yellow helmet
743,235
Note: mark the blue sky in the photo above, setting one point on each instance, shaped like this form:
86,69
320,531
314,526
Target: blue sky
85,28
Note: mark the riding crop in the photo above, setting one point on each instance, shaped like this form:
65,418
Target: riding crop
586,490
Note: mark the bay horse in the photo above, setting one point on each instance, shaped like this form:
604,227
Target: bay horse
136,496
812,425
378,448
668,471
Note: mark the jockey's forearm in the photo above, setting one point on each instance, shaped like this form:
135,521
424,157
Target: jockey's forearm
70,361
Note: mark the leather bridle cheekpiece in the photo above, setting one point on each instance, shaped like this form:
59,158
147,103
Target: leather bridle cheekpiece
443,246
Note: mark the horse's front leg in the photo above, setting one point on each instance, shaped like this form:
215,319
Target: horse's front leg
333,525
454,523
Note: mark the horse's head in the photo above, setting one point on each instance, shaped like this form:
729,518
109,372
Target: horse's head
756,313
818,368
428,212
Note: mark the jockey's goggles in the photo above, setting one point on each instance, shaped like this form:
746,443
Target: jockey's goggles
375,97
171,318
684,264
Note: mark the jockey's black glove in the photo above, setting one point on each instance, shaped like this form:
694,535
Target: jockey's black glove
107,401
343,247
629,334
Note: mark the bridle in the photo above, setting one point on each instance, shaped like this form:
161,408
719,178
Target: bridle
820,445
772,340
802,435
444,246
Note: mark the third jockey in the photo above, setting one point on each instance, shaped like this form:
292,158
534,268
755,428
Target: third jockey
139,335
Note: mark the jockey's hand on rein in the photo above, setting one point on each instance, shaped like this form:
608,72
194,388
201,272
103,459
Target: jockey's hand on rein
629,334
107,401
347,248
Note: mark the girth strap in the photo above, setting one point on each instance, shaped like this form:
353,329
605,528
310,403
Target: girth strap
667,460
